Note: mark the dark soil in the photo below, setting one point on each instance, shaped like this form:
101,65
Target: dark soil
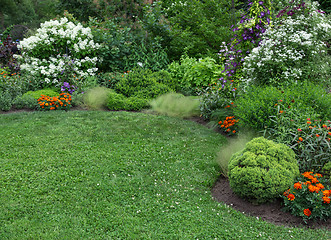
270,212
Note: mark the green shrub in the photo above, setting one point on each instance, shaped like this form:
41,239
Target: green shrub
257,105
262,170
26,101
117,101
38,93
327,171
5,101
176,105
135,104
165,78
141,83
192,74
96,98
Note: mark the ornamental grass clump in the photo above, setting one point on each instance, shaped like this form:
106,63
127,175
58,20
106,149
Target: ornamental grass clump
309,197
262,170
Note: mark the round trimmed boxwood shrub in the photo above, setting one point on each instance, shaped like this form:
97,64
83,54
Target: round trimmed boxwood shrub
262,170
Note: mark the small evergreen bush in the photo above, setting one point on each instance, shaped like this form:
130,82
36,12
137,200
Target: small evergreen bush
141,83
262,170
26,101
117,101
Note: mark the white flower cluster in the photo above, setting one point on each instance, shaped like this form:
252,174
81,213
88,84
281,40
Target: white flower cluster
288,48
46,54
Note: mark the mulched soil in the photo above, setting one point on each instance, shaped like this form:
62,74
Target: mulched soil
270,212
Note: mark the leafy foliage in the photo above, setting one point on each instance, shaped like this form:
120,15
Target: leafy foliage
262,170
255,107
141,83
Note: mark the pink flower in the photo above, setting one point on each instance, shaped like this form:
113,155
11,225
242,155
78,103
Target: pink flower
299,129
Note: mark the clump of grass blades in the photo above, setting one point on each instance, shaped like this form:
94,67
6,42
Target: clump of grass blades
176,105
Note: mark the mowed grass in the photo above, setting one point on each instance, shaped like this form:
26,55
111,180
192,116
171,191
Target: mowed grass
117,175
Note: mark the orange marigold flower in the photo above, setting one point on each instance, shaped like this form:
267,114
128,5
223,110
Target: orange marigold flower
281,111
314,180
306,174
308,122
286,192
307,212
222,126
312,188
228,130
290,197
300,139
52,108
326,200
234,131
220,122
317,135
326,193
297,185
319,186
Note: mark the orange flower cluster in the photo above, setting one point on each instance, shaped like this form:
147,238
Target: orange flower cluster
227,123
52,103
317,187
299,191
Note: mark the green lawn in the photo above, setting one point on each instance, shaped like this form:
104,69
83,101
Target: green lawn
116,175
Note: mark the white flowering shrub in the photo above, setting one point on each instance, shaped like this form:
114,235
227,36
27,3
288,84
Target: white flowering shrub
60,49
293,48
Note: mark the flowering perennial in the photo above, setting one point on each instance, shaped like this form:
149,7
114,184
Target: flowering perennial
57,46
309,198
61,102
297,38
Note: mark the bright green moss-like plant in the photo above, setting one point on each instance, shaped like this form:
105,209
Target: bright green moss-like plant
38,93
262,170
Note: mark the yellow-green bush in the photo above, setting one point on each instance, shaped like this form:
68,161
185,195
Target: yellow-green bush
263,170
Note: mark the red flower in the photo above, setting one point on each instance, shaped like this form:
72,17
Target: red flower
307,212
290,197
326,200
297,185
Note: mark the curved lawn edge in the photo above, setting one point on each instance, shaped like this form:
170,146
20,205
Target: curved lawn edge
116,175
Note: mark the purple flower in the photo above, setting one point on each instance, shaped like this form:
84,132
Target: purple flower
262,14
260,2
